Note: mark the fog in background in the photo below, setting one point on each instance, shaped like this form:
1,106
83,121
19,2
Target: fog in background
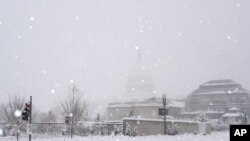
45,45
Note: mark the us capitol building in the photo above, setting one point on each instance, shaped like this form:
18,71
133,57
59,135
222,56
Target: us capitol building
139,100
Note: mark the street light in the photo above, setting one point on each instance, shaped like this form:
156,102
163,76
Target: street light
71,131
17,114
71,115
164,101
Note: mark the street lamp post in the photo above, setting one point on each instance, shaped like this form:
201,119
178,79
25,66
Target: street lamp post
164,101
73,109
245,117
71,129
17,114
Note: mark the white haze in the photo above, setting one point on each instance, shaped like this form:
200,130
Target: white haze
47,44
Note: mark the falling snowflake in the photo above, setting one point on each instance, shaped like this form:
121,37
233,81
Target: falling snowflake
32,18
228,37
52,91
44,72
141,30
71,81
18,37
238,5
77,18
136,48
16,56
143,80
30,27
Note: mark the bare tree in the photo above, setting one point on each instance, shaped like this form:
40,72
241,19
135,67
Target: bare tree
75,105
8,109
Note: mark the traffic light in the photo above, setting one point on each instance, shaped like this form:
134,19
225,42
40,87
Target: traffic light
67,119
26,112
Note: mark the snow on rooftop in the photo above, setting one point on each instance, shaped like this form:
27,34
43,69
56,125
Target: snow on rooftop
176,104
215,84
223,92
198,112
134,105
232,115
219,82
168,120
234,109
172,103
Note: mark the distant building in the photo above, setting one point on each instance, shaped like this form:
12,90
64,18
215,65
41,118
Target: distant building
139,100
139,83
216,97
148,108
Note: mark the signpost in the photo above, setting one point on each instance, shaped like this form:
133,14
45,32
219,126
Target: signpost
163,111
65,132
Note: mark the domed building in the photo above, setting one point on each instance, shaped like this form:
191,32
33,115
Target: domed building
217,97
140,99
139,83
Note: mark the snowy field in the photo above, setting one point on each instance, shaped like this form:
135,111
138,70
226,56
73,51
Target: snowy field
216,136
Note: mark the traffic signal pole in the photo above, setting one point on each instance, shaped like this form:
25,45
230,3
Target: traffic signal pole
30,118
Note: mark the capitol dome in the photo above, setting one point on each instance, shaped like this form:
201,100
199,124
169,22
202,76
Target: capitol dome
139,83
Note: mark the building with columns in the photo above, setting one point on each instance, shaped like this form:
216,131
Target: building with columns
139,99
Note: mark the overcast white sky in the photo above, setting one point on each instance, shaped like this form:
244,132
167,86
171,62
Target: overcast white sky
45,44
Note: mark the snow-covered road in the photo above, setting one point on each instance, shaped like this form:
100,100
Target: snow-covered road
217,136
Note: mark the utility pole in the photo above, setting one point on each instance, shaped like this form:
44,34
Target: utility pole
30,118
73,109
17,136
245,117
164,101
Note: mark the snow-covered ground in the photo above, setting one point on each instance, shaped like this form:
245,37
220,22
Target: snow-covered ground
216,136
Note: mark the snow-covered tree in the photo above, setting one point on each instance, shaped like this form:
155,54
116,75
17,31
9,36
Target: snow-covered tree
15,102
8,109
74,105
